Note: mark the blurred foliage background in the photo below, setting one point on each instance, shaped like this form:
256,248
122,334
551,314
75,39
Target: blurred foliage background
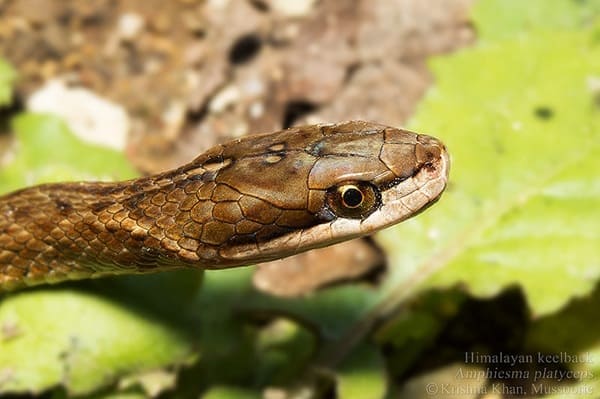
491,293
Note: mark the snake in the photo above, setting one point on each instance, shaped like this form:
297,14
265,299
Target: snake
254,199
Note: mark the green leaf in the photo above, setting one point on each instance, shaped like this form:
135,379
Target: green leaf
47,151
129,394
80,340
231,393
502,19
363,375
7,77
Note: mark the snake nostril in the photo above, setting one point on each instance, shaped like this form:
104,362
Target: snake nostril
427,153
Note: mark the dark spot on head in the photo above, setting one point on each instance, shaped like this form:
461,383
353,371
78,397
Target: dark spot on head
315,149
245,48
273,157
277,146
543,112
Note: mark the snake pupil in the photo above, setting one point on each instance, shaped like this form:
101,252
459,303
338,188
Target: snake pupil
352,197
353,200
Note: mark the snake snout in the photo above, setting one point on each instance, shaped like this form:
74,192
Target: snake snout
431,155
428,149
409,155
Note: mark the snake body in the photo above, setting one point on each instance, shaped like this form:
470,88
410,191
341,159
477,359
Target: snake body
251,200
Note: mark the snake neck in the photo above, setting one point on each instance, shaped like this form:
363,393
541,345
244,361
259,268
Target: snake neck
55,232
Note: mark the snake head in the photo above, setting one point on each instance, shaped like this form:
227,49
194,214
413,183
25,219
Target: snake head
323,184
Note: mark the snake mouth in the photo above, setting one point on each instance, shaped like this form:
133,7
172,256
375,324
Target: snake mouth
439,172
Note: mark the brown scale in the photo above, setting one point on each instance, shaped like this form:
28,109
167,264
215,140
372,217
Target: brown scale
235,197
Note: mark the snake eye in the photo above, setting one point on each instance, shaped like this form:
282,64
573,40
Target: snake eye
355,200
351,196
